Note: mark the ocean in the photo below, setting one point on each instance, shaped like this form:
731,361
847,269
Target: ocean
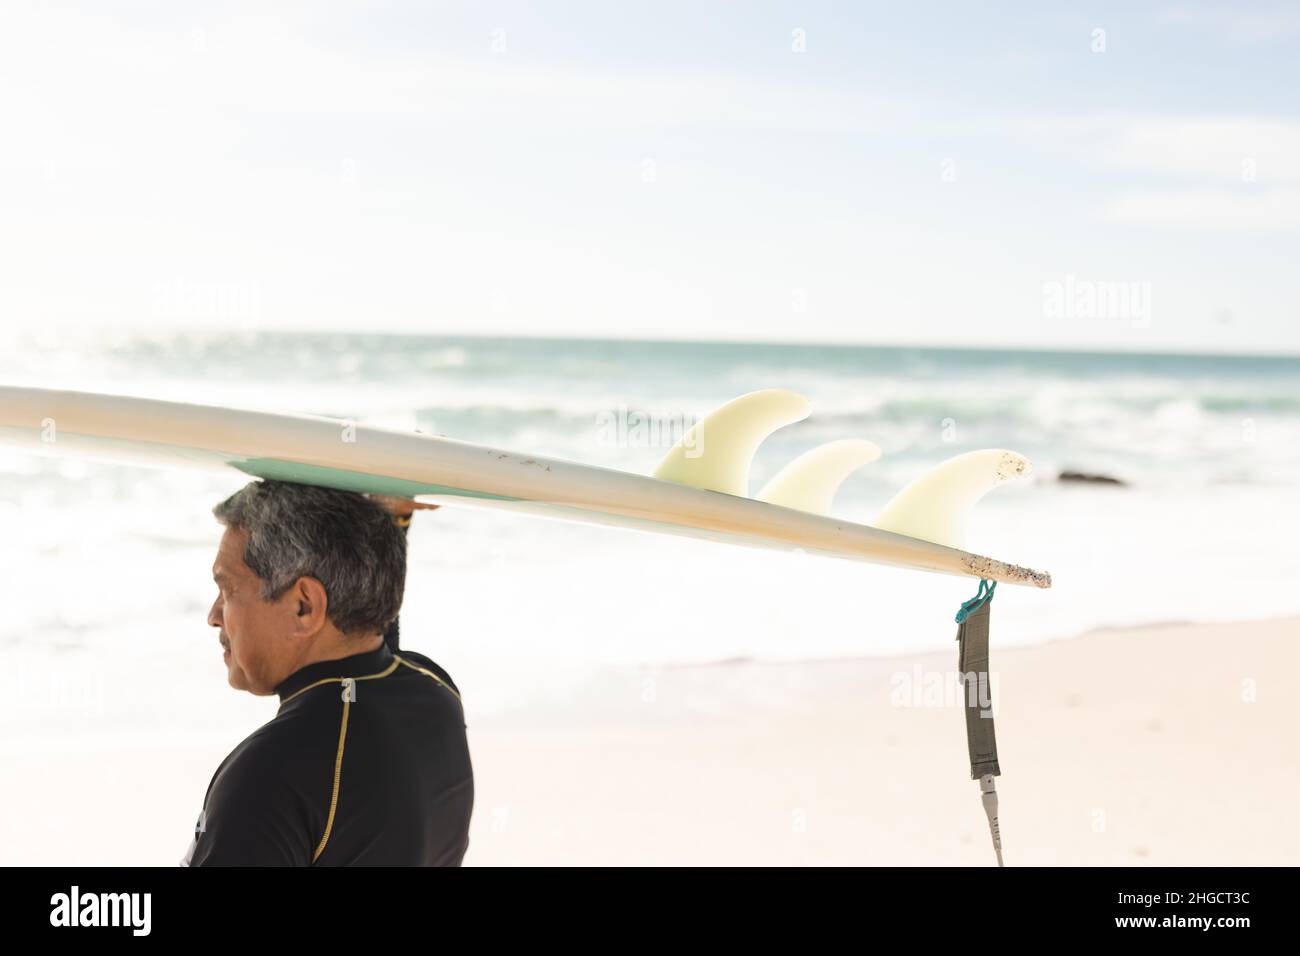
106,569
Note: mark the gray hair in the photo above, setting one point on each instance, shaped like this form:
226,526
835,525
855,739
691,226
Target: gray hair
341,538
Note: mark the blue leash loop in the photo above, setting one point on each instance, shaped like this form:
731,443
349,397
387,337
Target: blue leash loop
983,596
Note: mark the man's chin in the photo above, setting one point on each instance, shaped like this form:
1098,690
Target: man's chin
236,678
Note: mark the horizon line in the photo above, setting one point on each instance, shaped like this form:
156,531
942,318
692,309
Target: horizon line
134,331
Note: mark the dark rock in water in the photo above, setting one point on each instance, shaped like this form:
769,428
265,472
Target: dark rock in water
1089,479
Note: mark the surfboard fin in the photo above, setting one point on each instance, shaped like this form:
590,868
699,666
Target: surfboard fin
809,483
935,506
716,452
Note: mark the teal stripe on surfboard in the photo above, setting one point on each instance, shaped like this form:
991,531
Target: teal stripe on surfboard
276,469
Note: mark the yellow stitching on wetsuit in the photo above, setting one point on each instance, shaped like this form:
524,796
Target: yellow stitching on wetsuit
338,680
343,731
430,673
338,773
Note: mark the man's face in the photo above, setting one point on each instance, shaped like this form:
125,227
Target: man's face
257,634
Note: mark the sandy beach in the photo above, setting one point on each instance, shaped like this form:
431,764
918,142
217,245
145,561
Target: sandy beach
1167,745
1163,745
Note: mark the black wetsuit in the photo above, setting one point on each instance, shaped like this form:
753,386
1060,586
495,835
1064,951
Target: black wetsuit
372,771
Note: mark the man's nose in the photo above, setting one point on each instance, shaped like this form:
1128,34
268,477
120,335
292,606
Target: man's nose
214,613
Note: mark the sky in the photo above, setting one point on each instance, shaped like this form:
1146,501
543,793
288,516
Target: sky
1091,176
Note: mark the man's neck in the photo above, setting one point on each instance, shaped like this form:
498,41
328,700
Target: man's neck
338,646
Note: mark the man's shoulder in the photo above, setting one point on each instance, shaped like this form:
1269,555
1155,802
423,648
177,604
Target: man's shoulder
421,660
260,746
274,750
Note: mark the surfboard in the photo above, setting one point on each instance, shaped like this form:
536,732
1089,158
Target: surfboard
699,491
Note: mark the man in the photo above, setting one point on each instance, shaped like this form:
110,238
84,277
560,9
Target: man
366,761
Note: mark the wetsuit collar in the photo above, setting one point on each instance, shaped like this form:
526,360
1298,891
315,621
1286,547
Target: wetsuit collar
357,665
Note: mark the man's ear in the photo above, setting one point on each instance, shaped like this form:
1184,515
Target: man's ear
309,606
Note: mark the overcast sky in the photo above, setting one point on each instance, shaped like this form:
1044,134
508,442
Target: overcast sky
898,173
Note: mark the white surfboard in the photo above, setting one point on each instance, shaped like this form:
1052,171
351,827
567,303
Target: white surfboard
446,471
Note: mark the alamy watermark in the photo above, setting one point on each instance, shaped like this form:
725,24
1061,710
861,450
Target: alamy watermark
181,298
948,689
1074,298
625,427
129,910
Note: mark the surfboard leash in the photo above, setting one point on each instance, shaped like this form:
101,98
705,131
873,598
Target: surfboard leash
973,666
